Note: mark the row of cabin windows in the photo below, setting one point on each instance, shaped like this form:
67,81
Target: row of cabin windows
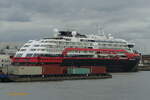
53,55
62,48
33,50
101,41
75,45
56,47
57,50
53,46
43,55
70,55
115,45
63,45
50,55
82,41
67,43
48,41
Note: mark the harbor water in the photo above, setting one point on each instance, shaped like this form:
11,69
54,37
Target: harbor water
123,86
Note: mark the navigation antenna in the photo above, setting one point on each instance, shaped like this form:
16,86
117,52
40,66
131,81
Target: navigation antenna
100,30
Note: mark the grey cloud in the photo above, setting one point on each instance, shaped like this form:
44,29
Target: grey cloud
31,19
14,13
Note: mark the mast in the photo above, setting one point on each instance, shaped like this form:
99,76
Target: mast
101,30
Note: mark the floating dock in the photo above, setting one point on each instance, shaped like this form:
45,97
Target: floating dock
34,78
51,73
144,68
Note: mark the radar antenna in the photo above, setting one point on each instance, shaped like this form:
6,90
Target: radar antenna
56,32
74,33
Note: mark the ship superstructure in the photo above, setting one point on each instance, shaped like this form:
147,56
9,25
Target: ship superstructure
48,47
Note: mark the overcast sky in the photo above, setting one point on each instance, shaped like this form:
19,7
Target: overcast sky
22,20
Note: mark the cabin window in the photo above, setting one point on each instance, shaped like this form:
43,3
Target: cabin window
26,45
90,47
43,49
29,55
42,45
36,55
36,45
23,50
33,49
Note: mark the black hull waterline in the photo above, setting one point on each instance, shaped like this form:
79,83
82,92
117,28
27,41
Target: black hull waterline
121,65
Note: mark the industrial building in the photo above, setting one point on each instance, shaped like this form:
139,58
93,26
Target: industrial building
4,60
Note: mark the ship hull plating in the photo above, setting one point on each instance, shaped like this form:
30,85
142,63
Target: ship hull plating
123,65
112,65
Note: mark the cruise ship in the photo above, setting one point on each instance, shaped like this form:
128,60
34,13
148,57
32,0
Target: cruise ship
70,48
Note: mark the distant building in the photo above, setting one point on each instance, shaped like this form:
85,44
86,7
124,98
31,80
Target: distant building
10,52
145,60
9,48
4,60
